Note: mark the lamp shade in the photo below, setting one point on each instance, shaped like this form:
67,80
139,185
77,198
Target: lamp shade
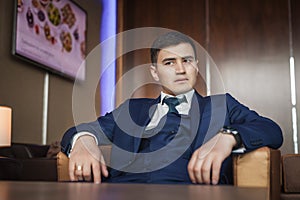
5,125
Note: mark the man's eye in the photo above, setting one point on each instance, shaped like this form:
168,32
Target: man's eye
169,63
188,60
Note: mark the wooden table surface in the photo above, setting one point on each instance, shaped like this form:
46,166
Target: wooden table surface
14,190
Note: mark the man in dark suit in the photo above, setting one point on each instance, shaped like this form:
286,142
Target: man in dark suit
179,137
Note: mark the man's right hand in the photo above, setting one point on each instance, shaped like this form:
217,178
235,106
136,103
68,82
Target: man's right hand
86,161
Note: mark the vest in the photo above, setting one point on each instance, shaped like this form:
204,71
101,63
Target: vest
162,170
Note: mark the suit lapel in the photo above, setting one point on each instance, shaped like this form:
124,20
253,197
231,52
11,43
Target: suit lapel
131,142
145,115
196,112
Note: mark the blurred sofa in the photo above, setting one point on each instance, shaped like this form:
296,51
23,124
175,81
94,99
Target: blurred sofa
29,162
290,177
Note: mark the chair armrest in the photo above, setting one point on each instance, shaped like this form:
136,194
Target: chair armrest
62,167
259,168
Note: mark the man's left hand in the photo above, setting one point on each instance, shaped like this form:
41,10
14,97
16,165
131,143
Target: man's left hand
206,161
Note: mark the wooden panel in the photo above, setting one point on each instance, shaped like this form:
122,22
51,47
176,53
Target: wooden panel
295,11
249,42
186,17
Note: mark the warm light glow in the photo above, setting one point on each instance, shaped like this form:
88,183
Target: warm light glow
45,108
108,29
293,80
208,78
294,102
5,126
295,128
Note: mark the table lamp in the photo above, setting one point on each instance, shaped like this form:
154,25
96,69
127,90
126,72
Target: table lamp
5,125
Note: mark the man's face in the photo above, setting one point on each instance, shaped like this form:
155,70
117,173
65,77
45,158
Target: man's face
176,69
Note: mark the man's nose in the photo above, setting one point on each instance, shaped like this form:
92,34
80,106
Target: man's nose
180,68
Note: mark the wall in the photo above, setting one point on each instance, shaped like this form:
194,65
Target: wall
295,19
248,40
21,84
250,44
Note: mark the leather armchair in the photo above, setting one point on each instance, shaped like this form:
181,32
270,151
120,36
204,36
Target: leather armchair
10,169
290,177
260,168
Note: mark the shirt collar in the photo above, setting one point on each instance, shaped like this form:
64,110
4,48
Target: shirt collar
188,95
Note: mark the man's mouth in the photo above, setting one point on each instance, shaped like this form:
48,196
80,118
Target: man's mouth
181,80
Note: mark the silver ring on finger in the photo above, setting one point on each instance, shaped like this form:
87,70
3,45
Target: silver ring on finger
78,167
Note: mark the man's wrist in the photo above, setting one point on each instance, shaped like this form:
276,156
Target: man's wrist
79,135
231,131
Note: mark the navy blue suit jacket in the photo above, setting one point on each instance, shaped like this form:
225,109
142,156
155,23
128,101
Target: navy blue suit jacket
124,127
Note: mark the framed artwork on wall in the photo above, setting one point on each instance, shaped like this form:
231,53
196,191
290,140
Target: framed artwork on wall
51,34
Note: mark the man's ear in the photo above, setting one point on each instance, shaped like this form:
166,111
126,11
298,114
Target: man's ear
197,61
154,74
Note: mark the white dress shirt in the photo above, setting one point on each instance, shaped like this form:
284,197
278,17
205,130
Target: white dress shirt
162,109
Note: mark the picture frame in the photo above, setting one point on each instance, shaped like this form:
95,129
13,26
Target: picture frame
51,34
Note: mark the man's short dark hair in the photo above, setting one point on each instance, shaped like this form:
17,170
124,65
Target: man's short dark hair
167,40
